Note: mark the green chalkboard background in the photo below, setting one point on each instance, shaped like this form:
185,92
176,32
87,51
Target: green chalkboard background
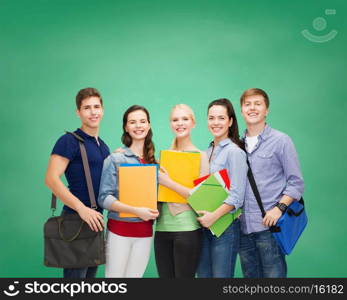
157,54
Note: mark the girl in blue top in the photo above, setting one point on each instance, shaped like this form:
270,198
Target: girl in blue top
218,255
128,239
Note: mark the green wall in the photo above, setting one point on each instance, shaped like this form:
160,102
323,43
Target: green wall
157,54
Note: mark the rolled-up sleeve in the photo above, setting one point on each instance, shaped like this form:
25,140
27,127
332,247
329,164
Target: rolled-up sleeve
108,191
295,184
237,170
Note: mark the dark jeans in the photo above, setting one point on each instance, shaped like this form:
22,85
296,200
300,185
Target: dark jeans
218,255
261,257
80,272
177,253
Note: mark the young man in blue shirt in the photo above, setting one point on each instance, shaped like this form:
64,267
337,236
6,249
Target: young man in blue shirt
276,170
66,158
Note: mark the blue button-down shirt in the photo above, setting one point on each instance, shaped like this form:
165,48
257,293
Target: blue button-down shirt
110,181
276,170
227,155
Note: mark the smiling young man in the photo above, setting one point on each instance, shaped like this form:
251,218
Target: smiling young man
276,170
66,158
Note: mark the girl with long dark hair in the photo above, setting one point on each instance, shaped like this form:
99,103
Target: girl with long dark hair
128,239
218,255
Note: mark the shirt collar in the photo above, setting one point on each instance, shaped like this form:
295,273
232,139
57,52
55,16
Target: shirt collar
128,152
82,134
222,143
263,135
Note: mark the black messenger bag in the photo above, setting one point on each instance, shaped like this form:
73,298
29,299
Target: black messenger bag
68,240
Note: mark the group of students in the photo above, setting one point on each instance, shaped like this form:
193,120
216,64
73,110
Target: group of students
184,246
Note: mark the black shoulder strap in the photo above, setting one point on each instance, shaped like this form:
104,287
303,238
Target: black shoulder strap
260,203
257,194
254,187
86,172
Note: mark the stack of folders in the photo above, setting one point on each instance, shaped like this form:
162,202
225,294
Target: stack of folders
183,168
222,174
138,186
209,194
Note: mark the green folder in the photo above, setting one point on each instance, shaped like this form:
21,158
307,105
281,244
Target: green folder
209,196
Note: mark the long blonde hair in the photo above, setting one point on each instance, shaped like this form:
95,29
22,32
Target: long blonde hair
191,115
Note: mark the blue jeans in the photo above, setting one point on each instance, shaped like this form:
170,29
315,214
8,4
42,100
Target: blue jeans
261,257
80,272
218,255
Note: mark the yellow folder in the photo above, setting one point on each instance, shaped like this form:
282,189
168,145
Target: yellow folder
183,167
138,186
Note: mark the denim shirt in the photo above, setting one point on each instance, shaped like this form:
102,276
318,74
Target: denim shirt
109,182
276,171
227,155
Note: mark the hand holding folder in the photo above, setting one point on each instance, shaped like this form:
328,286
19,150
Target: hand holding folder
183,168
138,186
208,196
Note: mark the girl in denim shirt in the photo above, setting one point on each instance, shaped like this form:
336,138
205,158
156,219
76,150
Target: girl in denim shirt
128,239
218,255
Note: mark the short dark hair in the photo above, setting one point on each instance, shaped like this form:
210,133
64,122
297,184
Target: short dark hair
87,93
254,92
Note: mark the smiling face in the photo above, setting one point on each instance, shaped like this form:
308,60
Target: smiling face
254,110
91,112
137,125
181,122
219,122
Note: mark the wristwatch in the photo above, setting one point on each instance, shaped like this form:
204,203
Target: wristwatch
283,207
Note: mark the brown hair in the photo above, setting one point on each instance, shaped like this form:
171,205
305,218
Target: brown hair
255,92
86,93
148,148
233,132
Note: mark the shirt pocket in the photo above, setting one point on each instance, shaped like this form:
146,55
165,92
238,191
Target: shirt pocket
265,161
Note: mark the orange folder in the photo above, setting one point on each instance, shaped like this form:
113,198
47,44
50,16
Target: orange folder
182,167
138,186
